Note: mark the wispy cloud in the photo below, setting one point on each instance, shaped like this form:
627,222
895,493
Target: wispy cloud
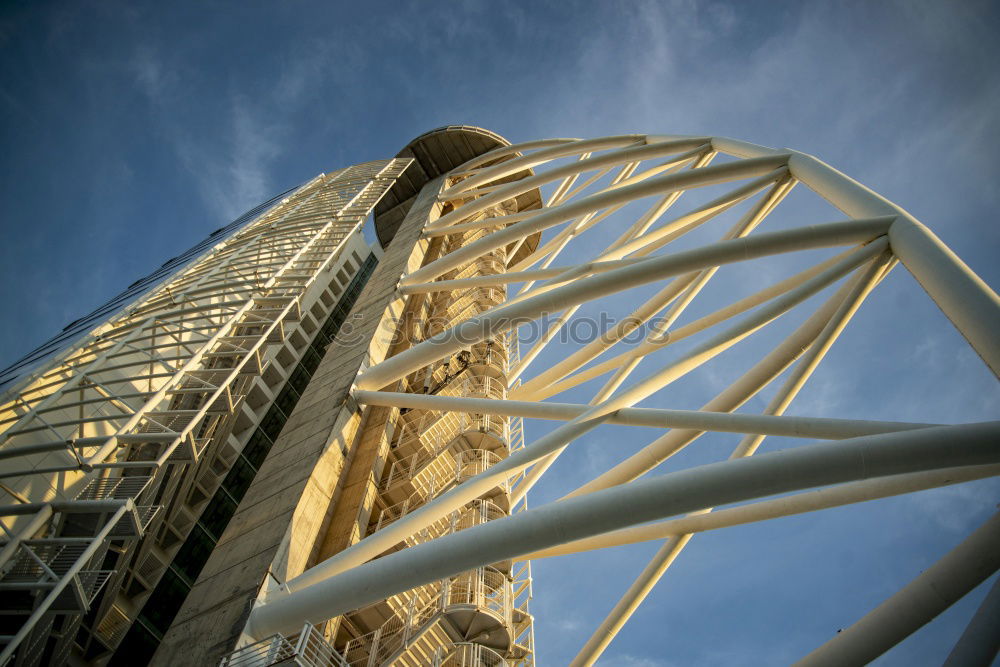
148,74
948,509
233,169
629,660
255,143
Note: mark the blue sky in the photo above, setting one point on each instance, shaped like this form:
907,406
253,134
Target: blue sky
129,132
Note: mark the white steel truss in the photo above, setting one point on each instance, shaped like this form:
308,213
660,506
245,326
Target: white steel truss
129,420
636,182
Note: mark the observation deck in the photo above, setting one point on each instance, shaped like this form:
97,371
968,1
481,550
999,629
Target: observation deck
438,152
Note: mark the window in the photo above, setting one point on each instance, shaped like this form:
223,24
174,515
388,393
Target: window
257,448
286,400
216,516
272,422
239,478
166,600
299,379
138,646
192,557
310,359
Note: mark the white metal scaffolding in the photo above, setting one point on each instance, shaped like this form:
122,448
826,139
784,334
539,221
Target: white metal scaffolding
135,420
638,186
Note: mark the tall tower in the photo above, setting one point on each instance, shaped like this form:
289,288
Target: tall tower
283,449
130,439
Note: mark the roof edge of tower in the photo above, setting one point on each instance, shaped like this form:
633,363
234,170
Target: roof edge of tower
435,153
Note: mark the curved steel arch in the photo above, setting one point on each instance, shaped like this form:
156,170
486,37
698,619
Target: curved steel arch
624,170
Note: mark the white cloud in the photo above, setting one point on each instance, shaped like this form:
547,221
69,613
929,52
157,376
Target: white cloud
232,169
629,660
148,74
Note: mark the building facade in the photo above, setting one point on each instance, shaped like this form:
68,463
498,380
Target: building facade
135,440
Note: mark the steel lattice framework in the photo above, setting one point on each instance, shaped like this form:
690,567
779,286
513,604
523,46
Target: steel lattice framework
590,181
135,419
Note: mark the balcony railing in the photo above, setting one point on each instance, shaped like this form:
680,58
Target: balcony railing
485,265
429,472
466,654
471,303
457,520
485,588
308,649
378,646
433,432
479,512
273,649
477,386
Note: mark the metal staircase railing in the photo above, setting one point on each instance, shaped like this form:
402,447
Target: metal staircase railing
523,626
376,647
468,464
484,588
422,469
478,512
308,649
112,416
433,432
467,654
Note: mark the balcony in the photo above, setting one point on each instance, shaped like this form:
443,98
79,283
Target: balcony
465,654
429,473
309,648
479,511
474,608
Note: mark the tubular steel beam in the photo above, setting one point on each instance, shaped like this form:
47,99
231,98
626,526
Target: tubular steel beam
979,644
801,427
881,458
25,532
765,510
554,216
667,553
937,588
548,153
64,579
961,295
505,317
736,394
733,481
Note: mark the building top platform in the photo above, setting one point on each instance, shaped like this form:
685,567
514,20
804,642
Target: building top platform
438,152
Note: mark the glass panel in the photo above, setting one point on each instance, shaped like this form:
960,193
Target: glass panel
216,516
287,399
311,359
238,480
165,602
272,422
137,647
257,448
194,554
299,379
